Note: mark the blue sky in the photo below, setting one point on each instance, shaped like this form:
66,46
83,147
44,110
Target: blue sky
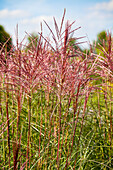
92,15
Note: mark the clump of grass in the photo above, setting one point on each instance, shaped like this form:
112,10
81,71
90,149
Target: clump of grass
56,104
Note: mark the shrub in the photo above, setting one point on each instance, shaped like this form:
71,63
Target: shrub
55,111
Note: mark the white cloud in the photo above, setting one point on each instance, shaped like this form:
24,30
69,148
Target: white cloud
5,13
96,15
101,12
33,24
108,6
37,19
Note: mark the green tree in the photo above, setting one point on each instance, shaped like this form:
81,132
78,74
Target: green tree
74,44
4,36
102,38
101,41
32,40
